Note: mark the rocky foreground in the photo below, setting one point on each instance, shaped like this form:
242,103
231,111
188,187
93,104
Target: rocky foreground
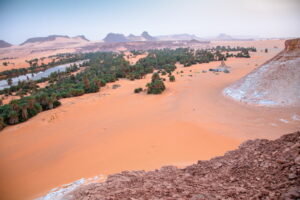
259,169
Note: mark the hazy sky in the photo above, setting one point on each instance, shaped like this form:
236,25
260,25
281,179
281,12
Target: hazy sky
21,19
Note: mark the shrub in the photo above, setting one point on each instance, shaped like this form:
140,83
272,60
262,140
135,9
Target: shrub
138,90
172,78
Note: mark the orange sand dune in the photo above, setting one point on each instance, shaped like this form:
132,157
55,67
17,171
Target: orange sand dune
115,130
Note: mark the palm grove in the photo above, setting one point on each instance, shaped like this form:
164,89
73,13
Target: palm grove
101,68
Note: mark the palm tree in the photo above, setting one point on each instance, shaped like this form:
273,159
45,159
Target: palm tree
43,99
86,82
13,117
24,108
31,102
51,100
2,124
14,106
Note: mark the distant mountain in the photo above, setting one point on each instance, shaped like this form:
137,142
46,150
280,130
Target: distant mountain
184,36
4,44
54,37
117,37
148,37
226,37
82,37
43,39
132,37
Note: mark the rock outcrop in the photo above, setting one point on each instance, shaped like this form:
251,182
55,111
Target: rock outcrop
275,83
4,44
148,37
259,169
115,37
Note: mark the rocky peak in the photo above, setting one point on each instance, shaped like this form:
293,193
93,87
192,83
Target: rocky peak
115,37
146,35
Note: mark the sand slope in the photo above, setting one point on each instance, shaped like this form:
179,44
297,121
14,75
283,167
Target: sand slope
275,83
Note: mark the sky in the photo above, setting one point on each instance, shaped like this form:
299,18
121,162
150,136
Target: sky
22,19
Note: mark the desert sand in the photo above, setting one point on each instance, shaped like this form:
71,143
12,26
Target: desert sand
132,59
116,130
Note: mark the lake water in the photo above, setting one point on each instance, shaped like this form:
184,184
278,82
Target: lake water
38,75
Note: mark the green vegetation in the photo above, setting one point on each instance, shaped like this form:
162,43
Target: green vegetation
172,78
137,52
156,86
101,68
21,110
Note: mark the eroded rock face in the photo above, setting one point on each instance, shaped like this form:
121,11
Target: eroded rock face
293,44
259,169
275,83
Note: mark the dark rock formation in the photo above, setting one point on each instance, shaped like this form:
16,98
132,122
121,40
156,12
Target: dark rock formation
115,37
4,44
148,37
259,169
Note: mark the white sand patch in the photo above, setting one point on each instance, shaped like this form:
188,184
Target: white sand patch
275,83
59,192
284,121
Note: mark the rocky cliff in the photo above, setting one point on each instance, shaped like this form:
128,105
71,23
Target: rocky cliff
259,169
275,83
